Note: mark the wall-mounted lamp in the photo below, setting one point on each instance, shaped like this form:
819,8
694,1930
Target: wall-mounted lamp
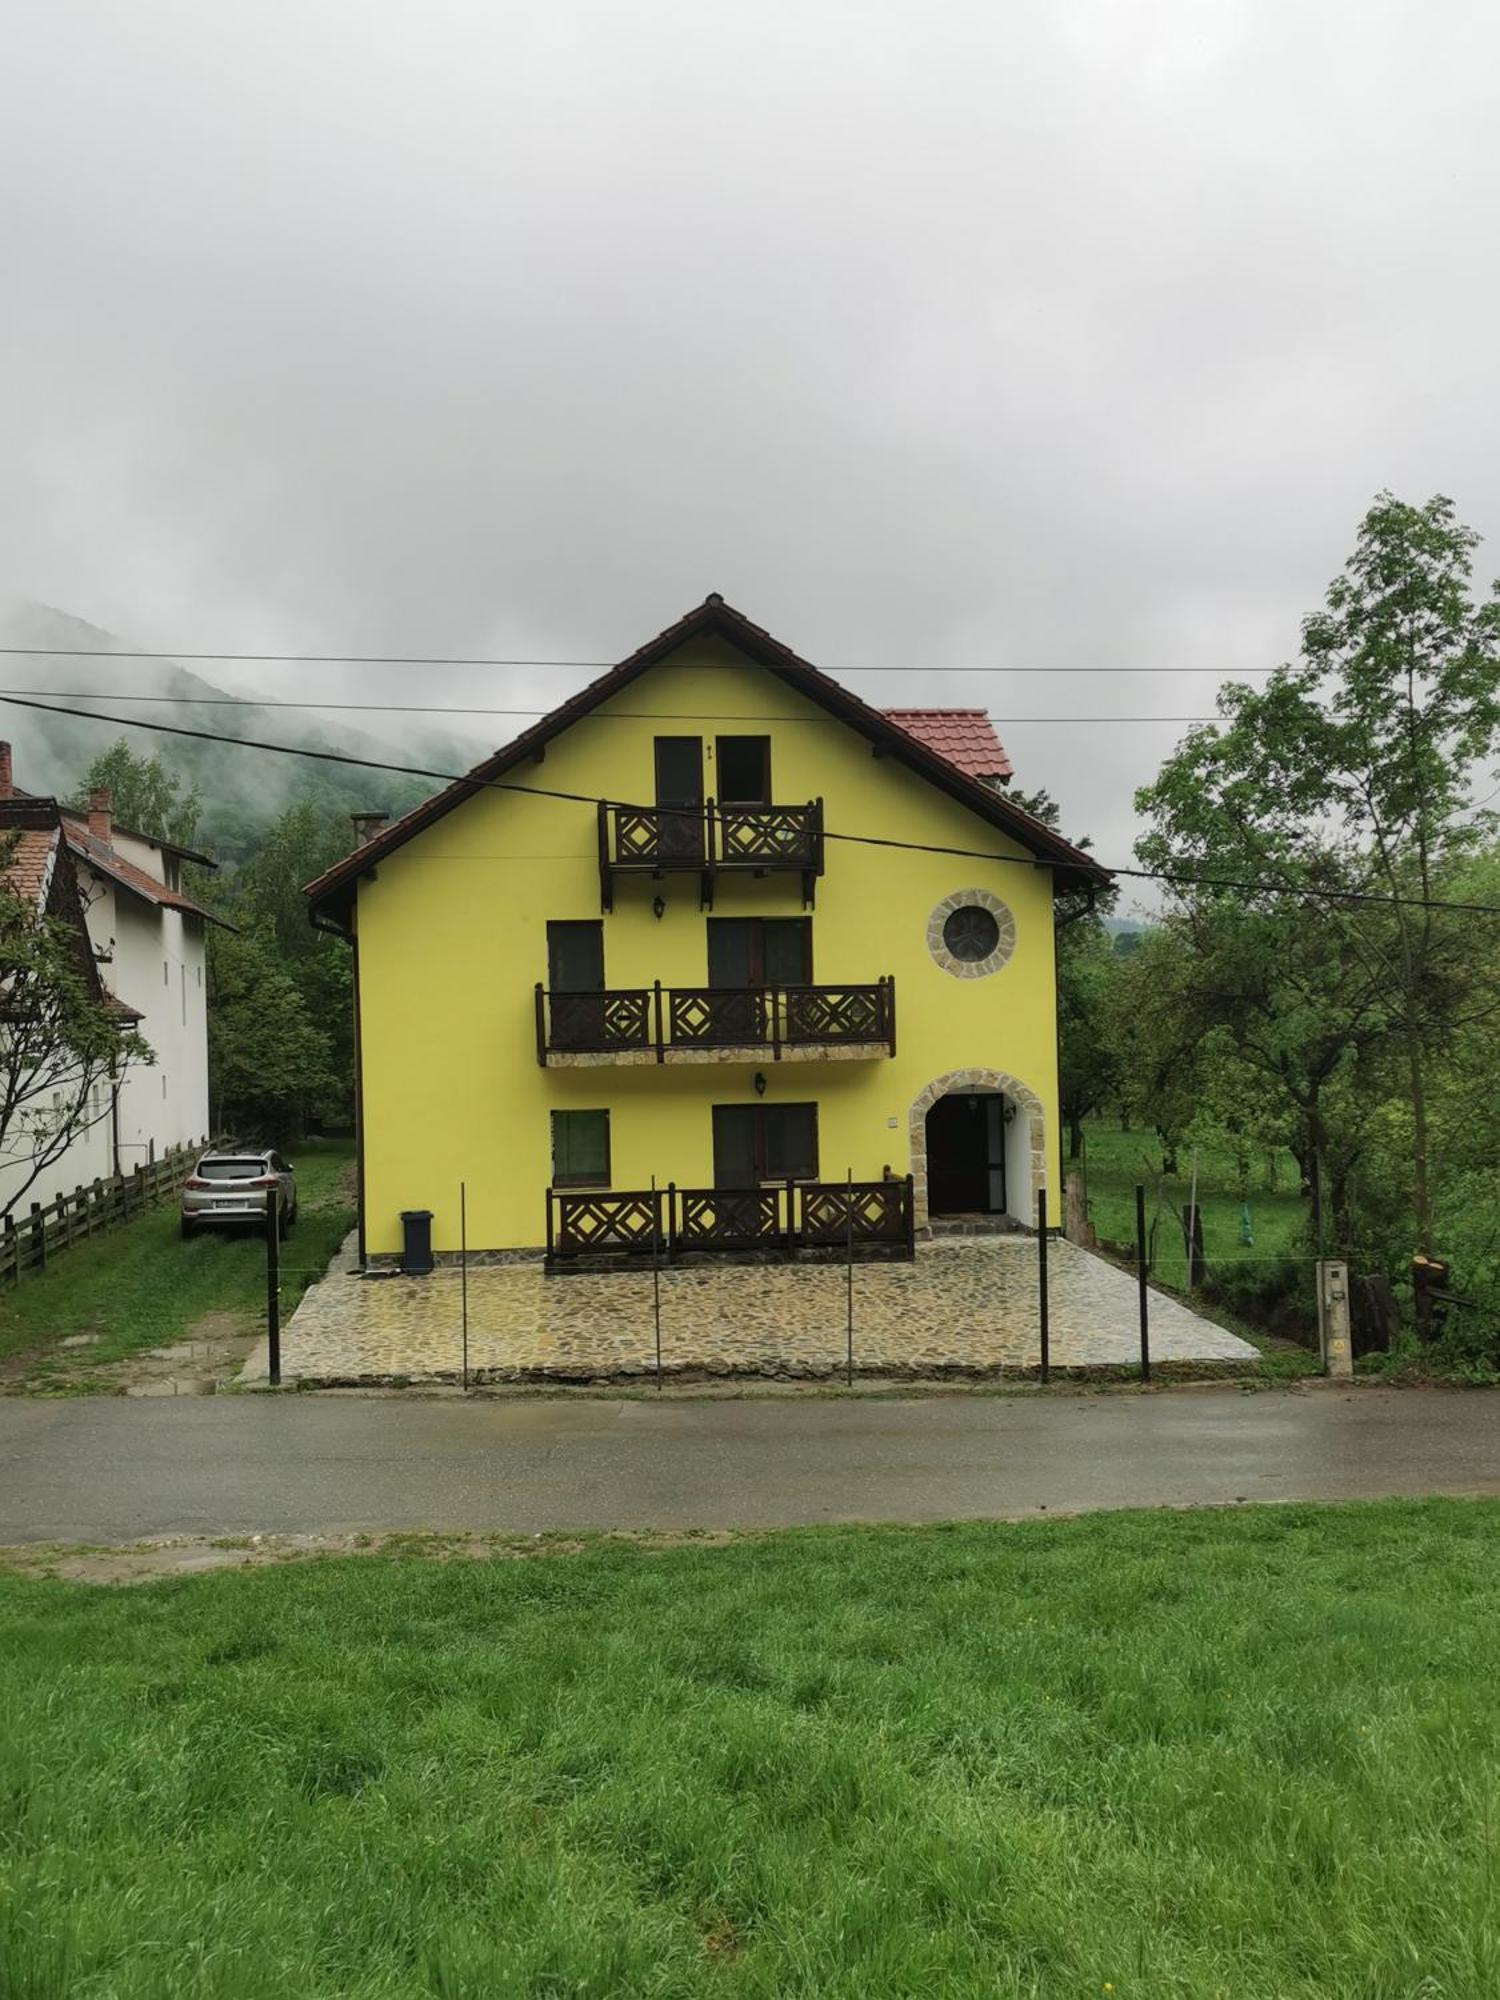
760,1084
658,908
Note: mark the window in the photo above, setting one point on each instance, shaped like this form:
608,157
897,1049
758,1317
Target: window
679,789
575,957
971,934
759,951
580,1149
743,770
171,870
679,770
183,970
166,973
764,1142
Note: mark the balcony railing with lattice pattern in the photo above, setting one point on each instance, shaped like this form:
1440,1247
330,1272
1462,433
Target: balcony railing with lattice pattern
710,840
854,1218
705,1023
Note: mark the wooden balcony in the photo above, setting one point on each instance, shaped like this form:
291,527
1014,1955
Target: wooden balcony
708,841
715,1024
842,1218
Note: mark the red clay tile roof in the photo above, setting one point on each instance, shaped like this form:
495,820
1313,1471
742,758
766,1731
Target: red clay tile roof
78,816
108,862
965,736
27,872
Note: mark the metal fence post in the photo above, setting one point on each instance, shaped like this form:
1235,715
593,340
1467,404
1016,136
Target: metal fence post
656,1273
1043,1324
1140,1272
273,1287
849,1277
463,1273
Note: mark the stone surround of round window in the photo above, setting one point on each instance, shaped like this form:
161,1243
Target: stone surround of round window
971,933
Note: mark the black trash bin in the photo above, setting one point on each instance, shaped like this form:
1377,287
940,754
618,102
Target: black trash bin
416,1242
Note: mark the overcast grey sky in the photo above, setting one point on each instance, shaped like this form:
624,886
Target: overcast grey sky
933,334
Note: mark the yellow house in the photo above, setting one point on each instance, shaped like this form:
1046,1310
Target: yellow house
718,929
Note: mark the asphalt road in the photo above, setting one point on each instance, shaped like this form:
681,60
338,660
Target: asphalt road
110,1469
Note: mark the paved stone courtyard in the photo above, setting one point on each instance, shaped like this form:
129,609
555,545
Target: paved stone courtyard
966,1306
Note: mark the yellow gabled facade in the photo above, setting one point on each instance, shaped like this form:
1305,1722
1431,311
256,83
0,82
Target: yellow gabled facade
451,920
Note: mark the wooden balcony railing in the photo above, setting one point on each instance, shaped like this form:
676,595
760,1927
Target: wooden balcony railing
864,1217
768,1020
709,840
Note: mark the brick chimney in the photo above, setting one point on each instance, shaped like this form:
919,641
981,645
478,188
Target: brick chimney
368,826
7,782
101,806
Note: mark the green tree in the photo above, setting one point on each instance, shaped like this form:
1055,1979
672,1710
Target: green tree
269,1061
265,892
1346,777
146,796
1086,975
60,1040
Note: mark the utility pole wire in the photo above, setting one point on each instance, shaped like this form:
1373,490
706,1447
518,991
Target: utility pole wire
598,666
1171,877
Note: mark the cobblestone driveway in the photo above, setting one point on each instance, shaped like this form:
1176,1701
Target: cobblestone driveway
967,1305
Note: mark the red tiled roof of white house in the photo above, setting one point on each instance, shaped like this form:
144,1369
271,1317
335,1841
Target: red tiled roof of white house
38,871
965,736
90,836
30,863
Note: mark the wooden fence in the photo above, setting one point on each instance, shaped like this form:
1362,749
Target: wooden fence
31,1239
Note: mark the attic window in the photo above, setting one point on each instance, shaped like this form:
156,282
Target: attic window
971,933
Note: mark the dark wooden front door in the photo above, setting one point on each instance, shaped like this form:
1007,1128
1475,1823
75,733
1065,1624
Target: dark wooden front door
966,1156
679,798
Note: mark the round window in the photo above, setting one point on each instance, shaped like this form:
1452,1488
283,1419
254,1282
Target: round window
971,933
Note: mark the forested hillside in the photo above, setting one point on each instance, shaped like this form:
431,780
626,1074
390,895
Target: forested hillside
240,791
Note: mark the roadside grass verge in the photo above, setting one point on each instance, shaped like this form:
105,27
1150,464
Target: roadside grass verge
142,1286
1167,1756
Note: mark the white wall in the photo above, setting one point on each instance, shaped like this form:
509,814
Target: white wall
158,967
154,962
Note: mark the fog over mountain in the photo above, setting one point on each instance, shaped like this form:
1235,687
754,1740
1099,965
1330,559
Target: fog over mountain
1075,336
241,789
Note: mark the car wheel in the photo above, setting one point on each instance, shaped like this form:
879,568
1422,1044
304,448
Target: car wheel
188,1228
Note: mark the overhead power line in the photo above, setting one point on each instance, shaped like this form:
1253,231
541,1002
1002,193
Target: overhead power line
1172,877
600,666
429,708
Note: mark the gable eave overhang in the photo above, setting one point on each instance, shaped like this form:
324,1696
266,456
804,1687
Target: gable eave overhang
125,875
331,892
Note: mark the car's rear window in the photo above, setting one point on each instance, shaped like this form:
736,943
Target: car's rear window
230,1170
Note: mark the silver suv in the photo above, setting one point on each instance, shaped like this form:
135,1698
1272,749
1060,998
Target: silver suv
232,1187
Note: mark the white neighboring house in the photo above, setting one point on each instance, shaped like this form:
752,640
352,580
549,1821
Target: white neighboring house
148,941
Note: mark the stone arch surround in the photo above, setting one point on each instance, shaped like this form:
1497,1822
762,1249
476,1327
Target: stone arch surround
1027,1102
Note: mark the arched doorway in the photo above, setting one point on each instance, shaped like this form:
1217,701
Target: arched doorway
966,1134
977,1146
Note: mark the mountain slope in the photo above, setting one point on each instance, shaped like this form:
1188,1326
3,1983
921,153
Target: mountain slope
242,790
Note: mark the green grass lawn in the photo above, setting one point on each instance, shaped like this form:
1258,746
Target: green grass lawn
1117,1161
1164,1756
142,1286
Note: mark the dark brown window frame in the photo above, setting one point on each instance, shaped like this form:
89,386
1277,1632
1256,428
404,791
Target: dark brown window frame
759,1113
758,951
581,1180
722,792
